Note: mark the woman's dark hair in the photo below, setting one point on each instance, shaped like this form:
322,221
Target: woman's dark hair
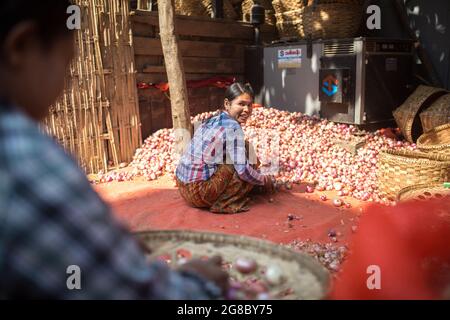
49,15
236,89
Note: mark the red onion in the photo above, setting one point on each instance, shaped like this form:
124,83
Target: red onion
245,266
337,202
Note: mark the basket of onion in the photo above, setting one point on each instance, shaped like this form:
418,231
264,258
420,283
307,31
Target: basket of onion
258,269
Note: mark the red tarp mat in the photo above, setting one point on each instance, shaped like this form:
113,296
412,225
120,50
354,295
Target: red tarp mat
143,207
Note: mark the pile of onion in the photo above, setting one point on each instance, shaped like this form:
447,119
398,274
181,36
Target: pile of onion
306,153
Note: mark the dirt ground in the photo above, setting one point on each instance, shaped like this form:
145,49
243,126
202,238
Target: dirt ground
144,205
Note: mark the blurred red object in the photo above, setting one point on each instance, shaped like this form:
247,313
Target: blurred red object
410,243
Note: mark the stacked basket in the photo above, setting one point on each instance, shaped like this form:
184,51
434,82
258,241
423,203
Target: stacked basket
289,17
437,114
318,18
327,19
436,140
290,24
400,169
203,8
267,4
407,115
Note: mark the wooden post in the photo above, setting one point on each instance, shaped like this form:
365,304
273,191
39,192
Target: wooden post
175,74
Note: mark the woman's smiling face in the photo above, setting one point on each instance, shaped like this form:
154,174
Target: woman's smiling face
240,108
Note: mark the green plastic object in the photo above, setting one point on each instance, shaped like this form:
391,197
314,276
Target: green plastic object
447,185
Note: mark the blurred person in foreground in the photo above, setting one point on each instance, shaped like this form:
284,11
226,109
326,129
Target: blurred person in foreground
50,217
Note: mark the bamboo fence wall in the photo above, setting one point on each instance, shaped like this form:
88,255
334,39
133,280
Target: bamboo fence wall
97,117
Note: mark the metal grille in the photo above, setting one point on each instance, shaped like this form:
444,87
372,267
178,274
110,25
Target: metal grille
338,48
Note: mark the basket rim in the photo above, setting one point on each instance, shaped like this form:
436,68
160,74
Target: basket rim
422,186
421,145
437,104
264,246
411,156
435,129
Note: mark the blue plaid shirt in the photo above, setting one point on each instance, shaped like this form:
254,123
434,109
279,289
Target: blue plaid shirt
51,218
219,140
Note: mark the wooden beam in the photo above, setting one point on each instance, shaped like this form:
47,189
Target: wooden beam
204,65
190,26
162,77
148,46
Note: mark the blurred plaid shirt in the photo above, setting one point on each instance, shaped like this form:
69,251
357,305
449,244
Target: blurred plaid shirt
51,218
219,140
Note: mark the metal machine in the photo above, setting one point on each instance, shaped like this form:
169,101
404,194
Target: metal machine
358,81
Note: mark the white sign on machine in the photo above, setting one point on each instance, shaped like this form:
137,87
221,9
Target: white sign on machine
289,58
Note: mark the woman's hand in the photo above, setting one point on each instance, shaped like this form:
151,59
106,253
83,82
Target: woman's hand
210,270
268,184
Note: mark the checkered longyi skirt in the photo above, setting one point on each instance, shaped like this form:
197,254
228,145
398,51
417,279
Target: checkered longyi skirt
224,192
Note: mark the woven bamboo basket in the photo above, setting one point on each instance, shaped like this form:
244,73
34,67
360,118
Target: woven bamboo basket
305,276
436,140
289,16
203,8
407,115
281,6
291,29
190,8
399,169
269,12
332,20
423,192
290,24
437,114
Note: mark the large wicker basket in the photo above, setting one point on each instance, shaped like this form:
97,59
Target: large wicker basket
269,11
399,169
203,8
436,115
436,140
190,8
304,276
332,20
281,6
290,24
423,192
407,115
